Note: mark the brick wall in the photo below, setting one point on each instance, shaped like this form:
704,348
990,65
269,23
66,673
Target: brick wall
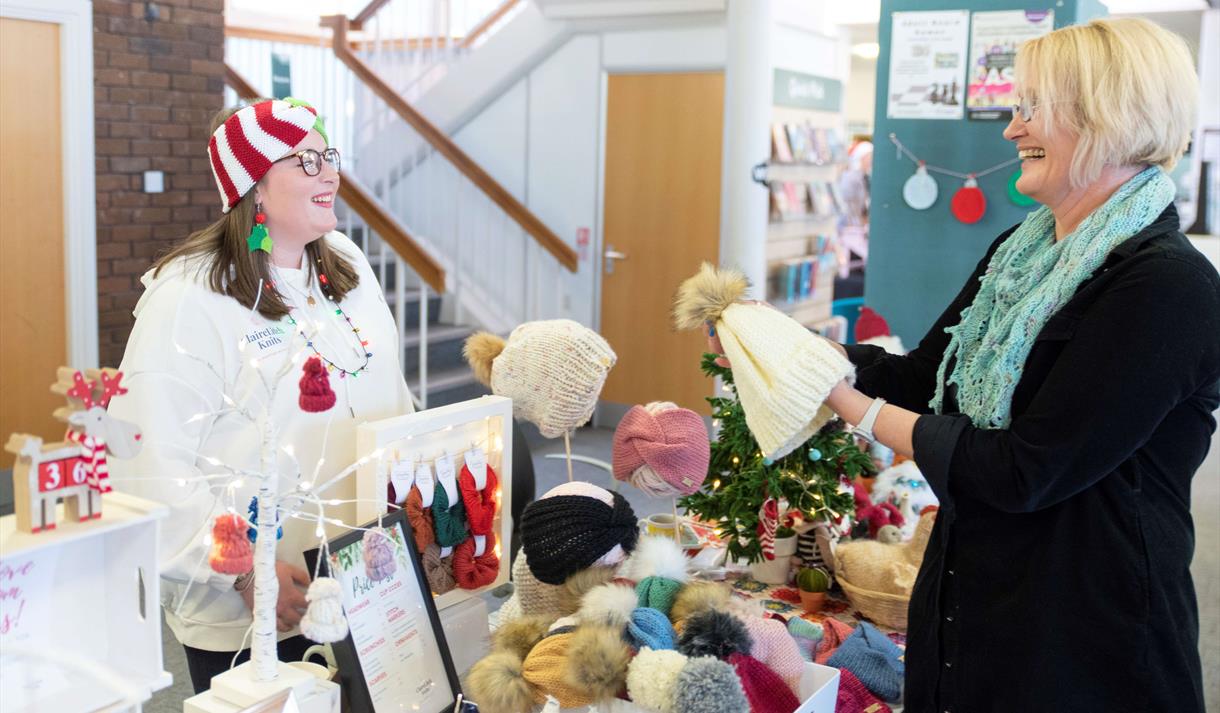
157,84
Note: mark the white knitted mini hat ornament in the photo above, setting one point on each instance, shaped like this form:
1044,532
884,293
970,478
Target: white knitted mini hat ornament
553,370
783,372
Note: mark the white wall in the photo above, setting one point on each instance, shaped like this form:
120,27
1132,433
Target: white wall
861,92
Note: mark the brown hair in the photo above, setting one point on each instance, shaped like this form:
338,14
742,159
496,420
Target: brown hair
236,271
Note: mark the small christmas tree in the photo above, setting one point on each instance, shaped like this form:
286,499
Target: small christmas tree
740,479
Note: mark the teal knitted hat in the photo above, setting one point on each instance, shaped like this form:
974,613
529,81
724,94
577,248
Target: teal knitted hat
874,659
658,593
650,627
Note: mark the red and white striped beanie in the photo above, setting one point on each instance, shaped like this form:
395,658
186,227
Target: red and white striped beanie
243,148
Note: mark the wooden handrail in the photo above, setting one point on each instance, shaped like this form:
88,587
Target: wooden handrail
368,11
485,24
298,38
529,222
375,216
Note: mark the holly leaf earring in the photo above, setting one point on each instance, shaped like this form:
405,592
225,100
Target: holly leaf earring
259,239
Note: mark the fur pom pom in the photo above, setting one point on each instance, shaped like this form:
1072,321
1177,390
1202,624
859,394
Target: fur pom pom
597,661
652,677
608,604
698,597
481,350
520,635
705,296
709,686
574,589
655,556
496,683
713,633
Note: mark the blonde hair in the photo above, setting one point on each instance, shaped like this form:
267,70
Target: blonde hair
1126,87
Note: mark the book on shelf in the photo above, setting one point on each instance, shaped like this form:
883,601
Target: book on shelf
781,151
798,140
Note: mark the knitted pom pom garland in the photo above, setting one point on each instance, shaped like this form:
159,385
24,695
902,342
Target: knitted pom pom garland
324,621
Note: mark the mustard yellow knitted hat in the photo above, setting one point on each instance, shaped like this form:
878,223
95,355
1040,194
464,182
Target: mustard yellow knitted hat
546,667
783,371
553,370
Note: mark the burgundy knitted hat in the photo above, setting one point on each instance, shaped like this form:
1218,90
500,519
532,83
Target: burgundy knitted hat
662,449
853,697
765,690
243,148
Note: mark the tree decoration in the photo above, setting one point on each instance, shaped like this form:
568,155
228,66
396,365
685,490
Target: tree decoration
231,552
739,481
324,621
316,394
378,551
969,203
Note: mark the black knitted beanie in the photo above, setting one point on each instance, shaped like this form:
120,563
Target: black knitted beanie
564,534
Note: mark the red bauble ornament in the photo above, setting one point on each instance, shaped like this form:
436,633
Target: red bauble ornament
969,203
260,218
316,394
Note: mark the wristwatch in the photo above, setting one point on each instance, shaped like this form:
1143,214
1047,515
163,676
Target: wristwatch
243,581
864,429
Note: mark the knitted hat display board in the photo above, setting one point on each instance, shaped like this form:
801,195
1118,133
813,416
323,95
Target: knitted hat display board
545,669
536,597
420,518
449,519
650,627
472,572
765,690
854,697
874,659
662,449
553,370
782,371
574,526
480,504
438,571
244,147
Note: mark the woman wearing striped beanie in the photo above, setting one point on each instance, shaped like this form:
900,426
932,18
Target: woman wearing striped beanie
267,285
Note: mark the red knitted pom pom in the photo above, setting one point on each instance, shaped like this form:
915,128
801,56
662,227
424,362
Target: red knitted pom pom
316,394
231,552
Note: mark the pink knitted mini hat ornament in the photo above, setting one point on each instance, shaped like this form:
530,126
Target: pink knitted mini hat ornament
662,449
244,147
378,554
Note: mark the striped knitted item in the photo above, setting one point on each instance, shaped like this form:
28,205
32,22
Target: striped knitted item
244,147
93,452
768,522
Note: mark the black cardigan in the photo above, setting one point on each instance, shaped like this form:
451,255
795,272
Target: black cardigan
1057,576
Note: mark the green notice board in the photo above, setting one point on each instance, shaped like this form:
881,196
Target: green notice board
919,259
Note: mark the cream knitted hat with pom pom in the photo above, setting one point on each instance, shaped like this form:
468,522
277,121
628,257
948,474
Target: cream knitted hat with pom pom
783,372
553,370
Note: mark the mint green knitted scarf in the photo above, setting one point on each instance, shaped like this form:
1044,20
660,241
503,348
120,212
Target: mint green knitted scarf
1029,279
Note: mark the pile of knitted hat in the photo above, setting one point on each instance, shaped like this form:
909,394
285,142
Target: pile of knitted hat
647,635
871,666
445,532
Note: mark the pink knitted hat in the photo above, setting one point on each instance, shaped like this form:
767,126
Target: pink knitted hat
776,648
662,449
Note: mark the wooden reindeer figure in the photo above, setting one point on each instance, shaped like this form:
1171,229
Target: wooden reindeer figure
73,469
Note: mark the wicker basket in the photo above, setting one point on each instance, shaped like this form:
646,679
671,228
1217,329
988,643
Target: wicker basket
884,609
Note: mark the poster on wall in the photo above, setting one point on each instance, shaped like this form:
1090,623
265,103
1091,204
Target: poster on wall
395,650
994,39
928,64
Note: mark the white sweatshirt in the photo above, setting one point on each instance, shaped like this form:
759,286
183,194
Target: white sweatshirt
181,328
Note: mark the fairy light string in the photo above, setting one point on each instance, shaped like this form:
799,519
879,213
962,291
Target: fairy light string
904,151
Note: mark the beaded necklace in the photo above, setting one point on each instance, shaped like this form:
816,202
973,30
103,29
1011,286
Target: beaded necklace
330,364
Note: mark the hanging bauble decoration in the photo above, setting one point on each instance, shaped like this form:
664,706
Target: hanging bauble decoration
920,190
324,621
378,554
231,552
969,203
1015,195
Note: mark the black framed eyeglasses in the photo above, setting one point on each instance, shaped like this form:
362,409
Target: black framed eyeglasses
311,160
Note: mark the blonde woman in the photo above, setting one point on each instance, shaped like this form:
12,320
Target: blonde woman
270,281
1061,405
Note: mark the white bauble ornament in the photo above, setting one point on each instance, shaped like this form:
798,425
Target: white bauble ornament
920,190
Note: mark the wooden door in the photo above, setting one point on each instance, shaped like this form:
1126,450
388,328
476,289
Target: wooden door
33,324
662,211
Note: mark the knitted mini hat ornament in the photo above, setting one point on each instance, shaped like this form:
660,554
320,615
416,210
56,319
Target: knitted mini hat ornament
420,518
707,685
573,526
854,696
316,394
231,552
776,648
782,371
553,370
874,659
245,146
662,449
378,550
652,678
650,628
480,504
472,572
449,519
766,691
870,324
324,621
438,570
537,598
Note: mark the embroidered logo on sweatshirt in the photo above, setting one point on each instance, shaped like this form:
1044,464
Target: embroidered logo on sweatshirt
266,340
